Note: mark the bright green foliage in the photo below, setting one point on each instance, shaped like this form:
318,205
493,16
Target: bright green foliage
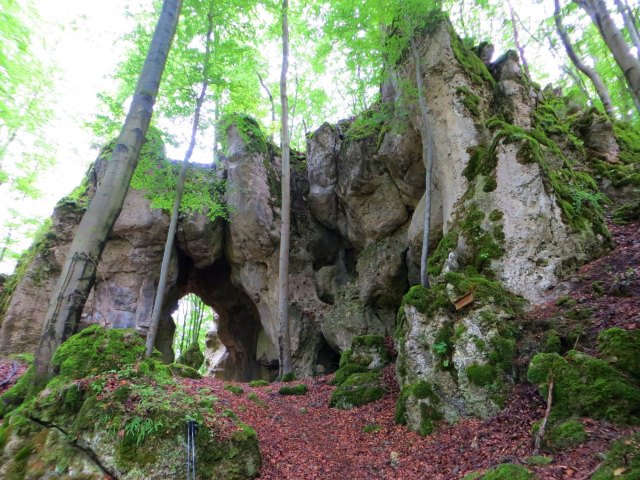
359,389
585,386
299,389
230,89
428,402
158,178
552,342
622,462
235,389
621,349
508,471
25,111
258,383
564,434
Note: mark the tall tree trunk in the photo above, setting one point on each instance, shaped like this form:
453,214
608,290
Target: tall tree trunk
630,25
273,105
630,65
284,339
168,246
427,157
516,40
595,78
79,271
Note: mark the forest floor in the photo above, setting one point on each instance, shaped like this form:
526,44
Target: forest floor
302,438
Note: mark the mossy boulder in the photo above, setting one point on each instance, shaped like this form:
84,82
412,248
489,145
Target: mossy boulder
585,386
96,350
418,405
127,420
192,357
563,434
359,377
621,348
622,461
359,389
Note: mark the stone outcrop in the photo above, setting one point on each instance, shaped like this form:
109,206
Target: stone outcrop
506,211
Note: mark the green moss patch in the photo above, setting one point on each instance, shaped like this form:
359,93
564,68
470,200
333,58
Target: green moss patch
621,349
258,383
95,350
428,301
622,461
300,389
508,471
235,389
419,395
565,434
359,389
585,386
481,375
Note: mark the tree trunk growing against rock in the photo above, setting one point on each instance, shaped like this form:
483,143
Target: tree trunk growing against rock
595,78
427,157
79,270
613,38
284,338
168,246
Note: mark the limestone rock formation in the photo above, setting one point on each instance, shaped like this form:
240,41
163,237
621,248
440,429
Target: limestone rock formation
510,216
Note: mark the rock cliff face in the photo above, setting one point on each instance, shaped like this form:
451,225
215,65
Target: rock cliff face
508,217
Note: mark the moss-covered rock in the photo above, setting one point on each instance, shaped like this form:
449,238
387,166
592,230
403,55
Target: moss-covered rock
129,418
192,356
564,434
359,389
622,461
367,354
585,386
621,349
96,350
418,405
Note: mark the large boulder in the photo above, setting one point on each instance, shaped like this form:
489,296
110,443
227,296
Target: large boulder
111,412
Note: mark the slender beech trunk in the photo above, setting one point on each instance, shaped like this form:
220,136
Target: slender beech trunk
595,78
630,25
273,104
79,271
284,339
629,64
516,40
427,157
168,246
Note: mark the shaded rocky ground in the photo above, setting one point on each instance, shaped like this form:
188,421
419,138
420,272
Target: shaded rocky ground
302,438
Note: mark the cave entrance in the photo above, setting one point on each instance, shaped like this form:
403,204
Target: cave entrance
230,341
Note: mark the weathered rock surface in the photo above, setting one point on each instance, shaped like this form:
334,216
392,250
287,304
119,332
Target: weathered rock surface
357,220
